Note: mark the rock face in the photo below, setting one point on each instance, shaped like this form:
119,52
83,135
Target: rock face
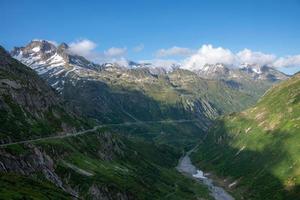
28,164
28,106
35,160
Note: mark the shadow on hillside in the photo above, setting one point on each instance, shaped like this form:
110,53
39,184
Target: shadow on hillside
253,168
96,99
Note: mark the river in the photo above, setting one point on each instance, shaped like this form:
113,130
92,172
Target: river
186,167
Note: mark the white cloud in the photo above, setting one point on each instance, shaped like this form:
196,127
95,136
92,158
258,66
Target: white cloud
82,47
138,48
164,63
50,41
207,54
251,57
174,51
115,52
87,49
288,61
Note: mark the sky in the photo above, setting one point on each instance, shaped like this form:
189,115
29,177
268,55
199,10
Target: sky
187,31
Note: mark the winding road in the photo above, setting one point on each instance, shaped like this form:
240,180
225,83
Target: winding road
94,129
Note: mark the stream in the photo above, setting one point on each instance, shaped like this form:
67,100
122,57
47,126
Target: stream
186,167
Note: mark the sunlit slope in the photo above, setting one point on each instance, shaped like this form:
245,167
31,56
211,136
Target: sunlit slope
259,148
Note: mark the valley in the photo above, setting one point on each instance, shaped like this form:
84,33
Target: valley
256,149
79,130
150,100
186,167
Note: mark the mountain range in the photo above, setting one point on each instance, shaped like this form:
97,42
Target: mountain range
112,92
74,129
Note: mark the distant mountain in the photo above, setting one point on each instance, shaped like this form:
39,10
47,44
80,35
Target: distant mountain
112,92
257,150
255,72
29,108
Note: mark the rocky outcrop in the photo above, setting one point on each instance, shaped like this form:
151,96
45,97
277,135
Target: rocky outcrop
42,164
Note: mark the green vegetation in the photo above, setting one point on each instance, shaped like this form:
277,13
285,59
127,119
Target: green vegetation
135,161
259,148
137,168
13,186
126,95
178,135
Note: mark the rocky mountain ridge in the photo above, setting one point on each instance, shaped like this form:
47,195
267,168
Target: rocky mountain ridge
111,92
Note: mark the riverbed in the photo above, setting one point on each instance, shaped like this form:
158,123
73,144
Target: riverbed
186,167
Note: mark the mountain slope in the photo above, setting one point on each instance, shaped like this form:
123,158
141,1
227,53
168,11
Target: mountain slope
102,165
258,148
29,107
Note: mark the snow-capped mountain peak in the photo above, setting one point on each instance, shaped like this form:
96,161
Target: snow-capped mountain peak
59,65
54,62
252,68
213,70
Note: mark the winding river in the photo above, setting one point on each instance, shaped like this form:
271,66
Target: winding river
186,167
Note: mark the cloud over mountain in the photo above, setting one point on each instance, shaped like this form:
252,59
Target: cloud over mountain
288,61
115,52
252,57
207,54
82,47
87,48
190,58
174,51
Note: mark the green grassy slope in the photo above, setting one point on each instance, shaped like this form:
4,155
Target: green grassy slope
259,148
114,163
15,187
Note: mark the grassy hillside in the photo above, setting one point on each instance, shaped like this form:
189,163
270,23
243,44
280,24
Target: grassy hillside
104,164
13,186
258,149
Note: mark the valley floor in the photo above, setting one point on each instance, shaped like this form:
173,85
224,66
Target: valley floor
186,167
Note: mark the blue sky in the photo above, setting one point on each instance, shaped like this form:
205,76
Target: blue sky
271,27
